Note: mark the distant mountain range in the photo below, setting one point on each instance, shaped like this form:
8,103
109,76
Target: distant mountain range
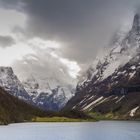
47,94
35,91
111,86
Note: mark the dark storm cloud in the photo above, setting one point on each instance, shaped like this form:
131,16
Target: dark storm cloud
84,26
6,41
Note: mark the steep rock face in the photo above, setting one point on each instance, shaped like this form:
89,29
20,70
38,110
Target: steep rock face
136,24
112,83
10,82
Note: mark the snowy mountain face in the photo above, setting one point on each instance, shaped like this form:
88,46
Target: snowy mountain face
123,50
112,82
43,93
47,94
10,82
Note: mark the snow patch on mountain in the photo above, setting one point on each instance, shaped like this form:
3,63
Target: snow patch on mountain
94,102
133,111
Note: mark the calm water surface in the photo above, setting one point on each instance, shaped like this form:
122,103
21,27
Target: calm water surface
103,130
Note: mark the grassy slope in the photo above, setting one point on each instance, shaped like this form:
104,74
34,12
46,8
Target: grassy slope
59,119
66,116
14,110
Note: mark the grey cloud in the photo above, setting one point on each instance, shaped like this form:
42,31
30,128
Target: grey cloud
6,41
12,4
85,26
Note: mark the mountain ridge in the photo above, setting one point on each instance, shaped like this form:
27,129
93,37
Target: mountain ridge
33,91
112,81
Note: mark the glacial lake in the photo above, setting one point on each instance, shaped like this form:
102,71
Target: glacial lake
103,130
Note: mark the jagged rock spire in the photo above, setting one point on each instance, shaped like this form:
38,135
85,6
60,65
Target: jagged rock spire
136,24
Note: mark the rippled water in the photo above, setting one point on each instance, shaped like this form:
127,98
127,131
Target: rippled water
103,130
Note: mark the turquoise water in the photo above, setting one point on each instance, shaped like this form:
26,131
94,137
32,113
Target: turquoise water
103,130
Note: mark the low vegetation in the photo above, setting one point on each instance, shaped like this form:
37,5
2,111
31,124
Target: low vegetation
107,116
58,119
66,116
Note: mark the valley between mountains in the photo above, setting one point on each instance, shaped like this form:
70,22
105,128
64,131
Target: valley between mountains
109,89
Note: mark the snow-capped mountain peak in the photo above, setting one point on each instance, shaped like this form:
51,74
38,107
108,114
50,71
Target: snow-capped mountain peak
10,82
121,52
136,24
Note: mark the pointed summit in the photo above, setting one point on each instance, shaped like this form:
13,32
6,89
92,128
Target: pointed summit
136,24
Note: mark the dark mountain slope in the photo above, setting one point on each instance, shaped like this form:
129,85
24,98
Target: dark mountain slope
112,85
14,110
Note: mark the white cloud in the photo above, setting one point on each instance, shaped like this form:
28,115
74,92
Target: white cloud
44,44
16,52
73,67
34,56
28,58
51,47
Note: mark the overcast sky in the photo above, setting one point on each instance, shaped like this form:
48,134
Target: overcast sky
65,33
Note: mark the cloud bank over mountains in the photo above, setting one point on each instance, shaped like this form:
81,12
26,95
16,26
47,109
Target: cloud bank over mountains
59,37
